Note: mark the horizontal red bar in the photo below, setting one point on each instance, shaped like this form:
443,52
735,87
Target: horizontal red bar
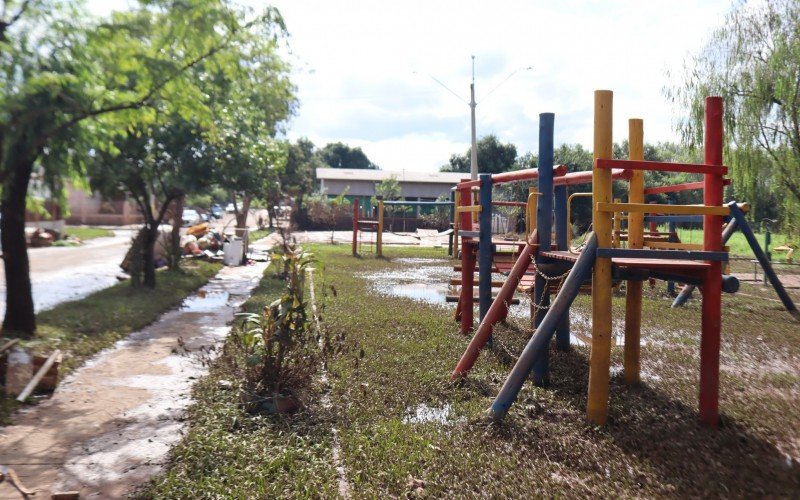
514,176
675,188
690,168
585,177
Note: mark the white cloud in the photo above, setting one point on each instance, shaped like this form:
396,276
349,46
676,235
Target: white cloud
356,63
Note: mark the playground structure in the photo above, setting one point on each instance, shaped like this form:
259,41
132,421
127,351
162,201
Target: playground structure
376,225
544,263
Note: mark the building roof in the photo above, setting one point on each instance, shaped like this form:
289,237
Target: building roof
358,174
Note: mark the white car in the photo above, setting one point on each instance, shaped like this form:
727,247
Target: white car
229,208
190,217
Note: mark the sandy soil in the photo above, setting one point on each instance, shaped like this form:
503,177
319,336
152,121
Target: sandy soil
109,426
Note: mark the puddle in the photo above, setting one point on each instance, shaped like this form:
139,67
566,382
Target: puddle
425,280
421,291
206,301
424,414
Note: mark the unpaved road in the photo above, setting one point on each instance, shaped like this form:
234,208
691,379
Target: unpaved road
59,274
109,426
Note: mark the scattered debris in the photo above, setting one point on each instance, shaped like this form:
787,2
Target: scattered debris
14,480
43,371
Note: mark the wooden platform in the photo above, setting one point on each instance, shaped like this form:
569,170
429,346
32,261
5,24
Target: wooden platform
660,264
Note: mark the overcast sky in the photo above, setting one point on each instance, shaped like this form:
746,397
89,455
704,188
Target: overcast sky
363,69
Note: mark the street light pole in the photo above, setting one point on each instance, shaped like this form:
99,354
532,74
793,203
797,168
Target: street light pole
473,159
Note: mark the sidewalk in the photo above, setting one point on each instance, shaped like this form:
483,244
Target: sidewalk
109,426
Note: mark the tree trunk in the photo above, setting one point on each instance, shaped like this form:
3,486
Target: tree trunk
19,316
241,216
148,256
175,240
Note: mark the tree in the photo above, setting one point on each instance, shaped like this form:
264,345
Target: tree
328,211
298,178
155,167
493,157
251,96
70,83
753,61
338,155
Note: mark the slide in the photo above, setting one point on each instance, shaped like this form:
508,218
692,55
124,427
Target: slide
540,340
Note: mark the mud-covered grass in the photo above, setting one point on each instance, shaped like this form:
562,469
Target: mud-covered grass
87,232
399,354
229,453
82,328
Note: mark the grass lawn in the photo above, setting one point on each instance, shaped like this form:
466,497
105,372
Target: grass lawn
738,243
84,327
260,233
395,365
87,232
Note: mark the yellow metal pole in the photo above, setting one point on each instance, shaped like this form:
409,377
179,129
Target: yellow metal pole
530,210
615,236
599,360
379,244
633,296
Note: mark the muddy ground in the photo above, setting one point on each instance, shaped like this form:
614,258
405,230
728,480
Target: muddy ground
108,427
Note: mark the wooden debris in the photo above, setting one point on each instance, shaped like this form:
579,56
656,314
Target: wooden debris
38,377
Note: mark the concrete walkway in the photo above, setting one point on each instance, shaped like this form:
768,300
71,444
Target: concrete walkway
109,426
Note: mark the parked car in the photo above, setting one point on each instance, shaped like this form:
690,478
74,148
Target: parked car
190,217
229,208
216,211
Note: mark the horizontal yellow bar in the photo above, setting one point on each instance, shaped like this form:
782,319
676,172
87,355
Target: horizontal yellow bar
669,245
470,208
662,209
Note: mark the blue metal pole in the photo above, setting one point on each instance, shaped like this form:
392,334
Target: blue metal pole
544,226
562,332
540,340
485,246
671,228
744,227
687,290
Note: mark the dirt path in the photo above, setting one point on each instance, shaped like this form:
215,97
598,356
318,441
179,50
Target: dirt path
109,426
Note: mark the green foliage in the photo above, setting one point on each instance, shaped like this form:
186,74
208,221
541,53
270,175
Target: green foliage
753,61
493,157
339,155
280,347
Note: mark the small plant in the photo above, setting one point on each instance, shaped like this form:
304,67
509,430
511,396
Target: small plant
280,347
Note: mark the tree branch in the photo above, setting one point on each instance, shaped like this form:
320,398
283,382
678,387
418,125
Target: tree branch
138,103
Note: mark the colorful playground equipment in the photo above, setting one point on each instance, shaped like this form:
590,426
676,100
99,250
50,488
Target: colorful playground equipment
376,226
608,256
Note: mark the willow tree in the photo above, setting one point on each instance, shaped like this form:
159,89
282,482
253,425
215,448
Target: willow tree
753,61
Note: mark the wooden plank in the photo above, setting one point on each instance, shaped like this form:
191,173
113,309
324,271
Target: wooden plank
652,208
476,299
468,208
38,377
8,345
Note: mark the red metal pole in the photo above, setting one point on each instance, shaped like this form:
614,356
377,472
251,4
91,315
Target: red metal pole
355,227
467,264
495,312
712,291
